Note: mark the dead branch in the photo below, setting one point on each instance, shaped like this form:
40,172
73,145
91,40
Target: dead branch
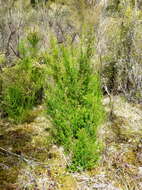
60,34
8,42
15,53
110,103
21,157
7,152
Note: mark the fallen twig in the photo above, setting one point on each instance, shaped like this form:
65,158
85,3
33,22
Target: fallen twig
7,152
21,157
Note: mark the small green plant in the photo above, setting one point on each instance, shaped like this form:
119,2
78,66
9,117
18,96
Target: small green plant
29,47
73,101
85,152
2,59
22,84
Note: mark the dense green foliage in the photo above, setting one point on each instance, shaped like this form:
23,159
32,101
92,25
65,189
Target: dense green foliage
22,84
73,101
73,93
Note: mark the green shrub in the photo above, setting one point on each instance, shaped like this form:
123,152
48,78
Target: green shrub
20,90
73,101
22,84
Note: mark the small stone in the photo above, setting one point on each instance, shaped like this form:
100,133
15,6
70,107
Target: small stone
140,171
